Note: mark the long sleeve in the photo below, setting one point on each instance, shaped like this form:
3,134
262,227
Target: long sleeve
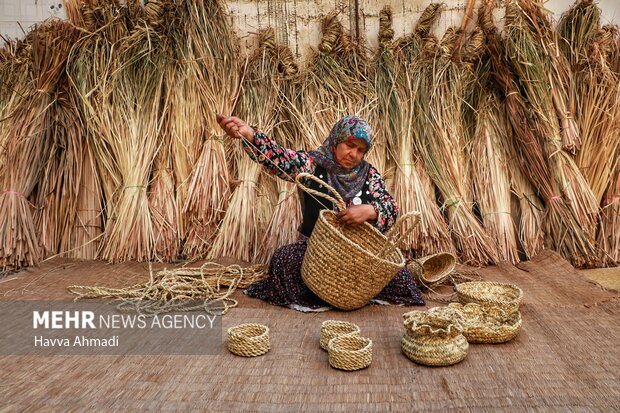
278,160
382,201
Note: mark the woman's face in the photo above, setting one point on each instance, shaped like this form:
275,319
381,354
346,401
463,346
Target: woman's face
350,152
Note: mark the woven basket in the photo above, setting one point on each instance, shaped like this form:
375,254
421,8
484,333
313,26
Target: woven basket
433,340
248,340
491,294
350,352
348,265
487,324
333,328
432,269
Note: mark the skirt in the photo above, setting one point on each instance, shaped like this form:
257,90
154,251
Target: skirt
284,286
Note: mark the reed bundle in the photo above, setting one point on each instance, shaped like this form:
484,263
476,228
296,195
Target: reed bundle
540,159
90,65
29,122
248,213
440,83
137,91
335,84
597,89
608,235
180,289
213,82
412,188
286,218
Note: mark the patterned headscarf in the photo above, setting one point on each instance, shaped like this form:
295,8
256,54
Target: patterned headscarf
348,182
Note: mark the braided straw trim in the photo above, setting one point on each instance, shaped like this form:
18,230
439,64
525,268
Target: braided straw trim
333,328
491,294
350,352
248,340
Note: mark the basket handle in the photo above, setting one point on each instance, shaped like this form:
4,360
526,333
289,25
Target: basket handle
415,215
339,202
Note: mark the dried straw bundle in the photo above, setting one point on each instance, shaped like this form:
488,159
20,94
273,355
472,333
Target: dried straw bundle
335,84
412,188
286,217
550,169
598,96
137,91
27,146
440,85
608,236
248,213
212,83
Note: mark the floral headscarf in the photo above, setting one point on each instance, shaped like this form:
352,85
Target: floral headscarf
348,182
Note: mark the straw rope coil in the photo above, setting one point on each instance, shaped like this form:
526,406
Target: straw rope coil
333,328
178,289
507,297
248,340
433,340
350,352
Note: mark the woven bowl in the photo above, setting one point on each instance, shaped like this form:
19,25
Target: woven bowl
248,340
350,352
491,294
487,324
432,269
333,328
433,340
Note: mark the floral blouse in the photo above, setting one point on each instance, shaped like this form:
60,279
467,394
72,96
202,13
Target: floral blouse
287,163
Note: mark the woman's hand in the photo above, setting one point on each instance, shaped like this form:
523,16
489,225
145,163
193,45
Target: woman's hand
357,214
235,127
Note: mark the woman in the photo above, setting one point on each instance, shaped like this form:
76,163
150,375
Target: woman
340,162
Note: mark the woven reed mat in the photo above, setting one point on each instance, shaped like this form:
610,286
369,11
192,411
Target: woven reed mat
564,359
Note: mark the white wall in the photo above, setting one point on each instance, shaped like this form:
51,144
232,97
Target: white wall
296,21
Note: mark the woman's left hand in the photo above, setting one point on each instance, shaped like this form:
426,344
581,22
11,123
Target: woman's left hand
357,214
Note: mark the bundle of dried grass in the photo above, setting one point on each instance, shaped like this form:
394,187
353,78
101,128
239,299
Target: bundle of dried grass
286,217
137,91
212,83
440,84
412,188
90,65
335,84
540,159
248,213
608,235
27,146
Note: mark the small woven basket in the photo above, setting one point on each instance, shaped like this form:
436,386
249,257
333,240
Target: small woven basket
432,269
487,324
350,352
348,265
248,340
333,328
491,294
433,340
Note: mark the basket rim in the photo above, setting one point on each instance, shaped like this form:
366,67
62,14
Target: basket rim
357,246
414,325
510,321
239,330
332,343
463,288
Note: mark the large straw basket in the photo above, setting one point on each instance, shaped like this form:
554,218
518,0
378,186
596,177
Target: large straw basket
350,352
348,265
334,328
433,340
491,294
248,340
432,269
487,324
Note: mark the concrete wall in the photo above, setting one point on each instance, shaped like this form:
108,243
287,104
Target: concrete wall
296,21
